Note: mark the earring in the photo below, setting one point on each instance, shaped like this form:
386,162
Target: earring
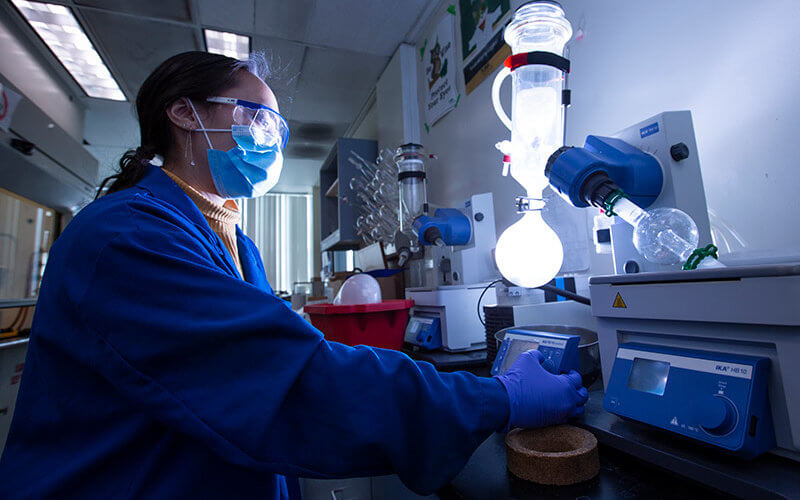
189,148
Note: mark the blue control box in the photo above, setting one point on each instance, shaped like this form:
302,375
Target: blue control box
424,331
717,398
560,350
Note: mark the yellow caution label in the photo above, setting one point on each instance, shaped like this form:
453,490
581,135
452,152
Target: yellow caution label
619,303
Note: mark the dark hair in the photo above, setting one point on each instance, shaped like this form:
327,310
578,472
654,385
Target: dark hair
195,75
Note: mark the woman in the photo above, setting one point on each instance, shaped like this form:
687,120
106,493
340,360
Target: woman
161,364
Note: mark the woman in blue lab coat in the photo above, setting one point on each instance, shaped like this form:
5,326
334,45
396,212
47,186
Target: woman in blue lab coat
161,365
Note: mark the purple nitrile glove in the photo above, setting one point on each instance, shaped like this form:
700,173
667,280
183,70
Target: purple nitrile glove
537,397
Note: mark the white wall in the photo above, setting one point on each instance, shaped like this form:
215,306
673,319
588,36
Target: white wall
368,128
732,63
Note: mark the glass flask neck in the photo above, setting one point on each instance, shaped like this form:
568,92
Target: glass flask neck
538,26
534,217
629,211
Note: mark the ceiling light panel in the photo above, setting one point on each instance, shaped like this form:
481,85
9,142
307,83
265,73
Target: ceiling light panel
227,44
59,29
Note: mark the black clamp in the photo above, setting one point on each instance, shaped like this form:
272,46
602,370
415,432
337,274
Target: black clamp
545,59
412,173
537,57
527,204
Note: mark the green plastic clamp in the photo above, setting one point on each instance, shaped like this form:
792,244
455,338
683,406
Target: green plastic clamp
698,255
611,201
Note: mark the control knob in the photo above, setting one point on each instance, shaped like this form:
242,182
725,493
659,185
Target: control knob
717,415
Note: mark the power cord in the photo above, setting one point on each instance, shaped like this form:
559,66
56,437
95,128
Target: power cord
481,298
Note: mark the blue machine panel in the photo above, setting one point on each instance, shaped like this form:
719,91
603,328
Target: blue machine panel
560,350
717,398
424,331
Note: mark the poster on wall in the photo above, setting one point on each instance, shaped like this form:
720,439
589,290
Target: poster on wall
482,44
438,57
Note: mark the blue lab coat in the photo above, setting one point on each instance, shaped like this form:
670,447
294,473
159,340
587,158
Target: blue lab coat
155,371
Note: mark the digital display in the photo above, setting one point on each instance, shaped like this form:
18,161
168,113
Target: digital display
517,347
649,376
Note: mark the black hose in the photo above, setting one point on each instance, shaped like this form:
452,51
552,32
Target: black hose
567,294
481,298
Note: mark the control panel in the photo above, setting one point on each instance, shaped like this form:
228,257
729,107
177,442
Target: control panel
424,331
717,398
560,351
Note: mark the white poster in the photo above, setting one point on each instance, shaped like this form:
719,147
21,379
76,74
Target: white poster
482,45
8,103
438,57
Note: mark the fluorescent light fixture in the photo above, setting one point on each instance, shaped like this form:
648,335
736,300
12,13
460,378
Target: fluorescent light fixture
59,29
227,44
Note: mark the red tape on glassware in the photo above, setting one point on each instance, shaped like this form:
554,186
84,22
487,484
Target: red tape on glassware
538,57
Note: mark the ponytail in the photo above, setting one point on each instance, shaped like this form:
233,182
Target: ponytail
132,167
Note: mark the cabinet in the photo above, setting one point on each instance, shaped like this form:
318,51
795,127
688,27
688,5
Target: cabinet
360,488
12,360
339,206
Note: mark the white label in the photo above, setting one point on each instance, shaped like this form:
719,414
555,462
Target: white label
696,364
561,344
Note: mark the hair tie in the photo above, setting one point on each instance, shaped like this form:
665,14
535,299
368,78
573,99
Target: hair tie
144,154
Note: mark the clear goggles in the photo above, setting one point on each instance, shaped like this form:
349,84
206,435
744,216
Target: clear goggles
266,126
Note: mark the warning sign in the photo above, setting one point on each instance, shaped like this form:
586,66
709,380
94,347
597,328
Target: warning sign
619,303
8,103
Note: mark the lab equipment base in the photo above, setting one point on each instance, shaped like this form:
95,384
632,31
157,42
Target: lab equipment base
768,476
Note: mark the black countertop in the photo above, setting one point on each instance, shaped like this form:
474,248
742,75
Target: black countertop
636,461
486,477
768,476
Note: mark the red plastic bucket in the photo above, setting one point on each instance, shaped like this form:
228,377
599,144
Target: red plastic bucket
378,325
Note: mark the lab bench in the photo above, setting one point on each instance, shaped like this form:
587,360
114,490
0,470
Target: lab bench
768,476
628,452
636,461
486,476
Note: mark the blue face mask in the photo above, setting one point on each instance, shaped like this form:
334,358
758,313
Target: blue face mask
244,174
247,170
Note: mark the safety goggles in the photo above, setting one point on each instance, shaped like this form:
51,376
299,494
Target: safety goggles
266,126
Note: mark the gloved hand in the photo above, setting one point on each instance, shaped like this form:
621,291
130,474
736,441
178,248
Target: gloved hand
539,398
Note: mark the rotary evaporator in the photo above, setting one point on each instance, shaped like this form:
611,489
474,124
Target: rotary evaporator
688,344
448,253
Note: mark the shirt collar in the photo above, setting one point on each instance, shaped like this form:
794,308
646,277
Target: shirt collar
227,214
158,184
